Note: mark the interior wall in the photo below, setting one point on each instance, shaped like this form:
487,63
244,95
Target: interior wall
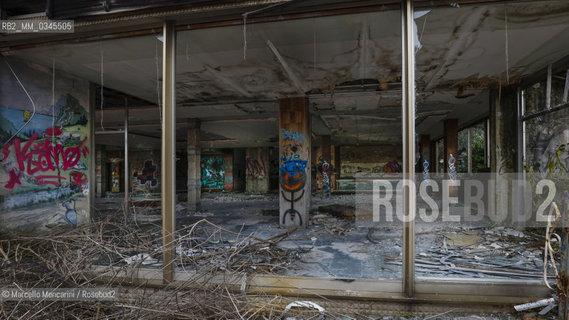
362,160
44,174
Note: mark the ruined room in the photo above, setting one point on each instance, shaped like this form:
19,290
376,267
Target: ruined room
266,146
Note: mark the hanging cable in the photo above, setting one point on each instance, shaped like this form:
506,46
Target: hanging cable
507,46
245,24
548,254
158,79
102,86
187,53
245,36
29,97
53,98
314,50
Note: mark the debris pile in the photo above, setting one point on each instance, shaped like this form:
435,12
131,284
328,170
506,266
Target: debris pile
497,252
67,259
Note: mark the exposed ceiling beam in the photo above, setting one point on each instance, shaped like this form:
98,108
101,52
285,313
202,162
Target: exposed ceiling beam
286,68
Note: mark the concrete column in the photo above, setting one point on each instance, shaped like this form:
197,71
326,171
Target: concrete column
194,168
450,141
503,155
294,162
503,130
257,170
239,169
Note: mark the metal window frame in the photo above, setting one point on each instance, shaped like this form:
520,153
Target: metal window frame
409,289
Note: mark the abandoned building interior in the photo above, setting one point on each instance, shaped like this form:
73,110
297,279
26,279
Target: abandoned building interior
278,121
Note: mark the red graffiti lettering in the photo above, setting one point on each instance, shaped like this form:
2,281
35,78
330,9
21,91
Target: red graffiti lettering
5,152
47,180
35,156
44,156
13,180
77,178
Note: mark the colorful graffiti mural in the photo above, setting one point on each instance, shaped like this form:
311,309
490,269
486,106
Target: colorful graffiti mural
44,158
292,179
146,176
325,170
213,172
228,167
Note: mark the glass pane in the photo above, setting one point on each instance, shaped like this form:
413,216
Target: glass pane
475,226
462,157
249,146
478,145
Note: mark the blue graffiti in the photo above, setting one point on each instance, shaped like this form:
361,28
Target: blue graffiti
147,174
293,164
70,213
293,135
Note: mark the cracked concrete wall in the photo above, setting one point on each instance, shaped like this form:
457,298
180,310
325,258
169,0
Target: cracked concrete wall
45,138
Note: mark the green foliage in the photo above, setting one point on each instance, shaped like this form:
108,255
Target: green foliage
478,149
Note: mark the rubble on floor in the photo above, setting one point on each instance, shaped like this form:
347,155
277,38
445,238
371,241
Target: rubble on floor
243,242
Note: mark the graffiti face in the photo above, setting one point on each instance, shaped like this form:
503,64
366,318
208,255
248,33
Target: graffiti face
292,174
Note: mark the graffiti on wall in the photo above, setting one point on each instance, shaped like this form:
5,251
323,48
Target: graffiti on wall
213,172
256,167
44,157
292,173
291,134
228,163
325,170
146,177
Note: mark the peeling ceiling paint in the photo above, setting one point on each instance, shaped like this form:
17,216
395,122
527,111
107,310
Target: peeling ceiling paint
463,51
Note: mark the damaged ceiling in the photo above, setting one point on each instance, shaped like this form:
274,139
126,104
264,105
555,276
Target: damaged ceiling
349,65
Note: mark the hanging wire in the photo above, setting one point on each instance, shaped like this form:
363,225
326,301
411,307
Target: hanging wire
158,78
314,50
507,46
245,35
245,24
102,85
187,53
53,97
29,97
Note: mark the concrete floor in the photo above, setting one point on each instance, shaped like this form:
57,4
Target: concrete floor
355,249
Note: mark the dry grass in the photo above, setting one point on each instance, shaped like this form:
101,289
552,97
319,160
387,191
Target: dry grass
64,259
